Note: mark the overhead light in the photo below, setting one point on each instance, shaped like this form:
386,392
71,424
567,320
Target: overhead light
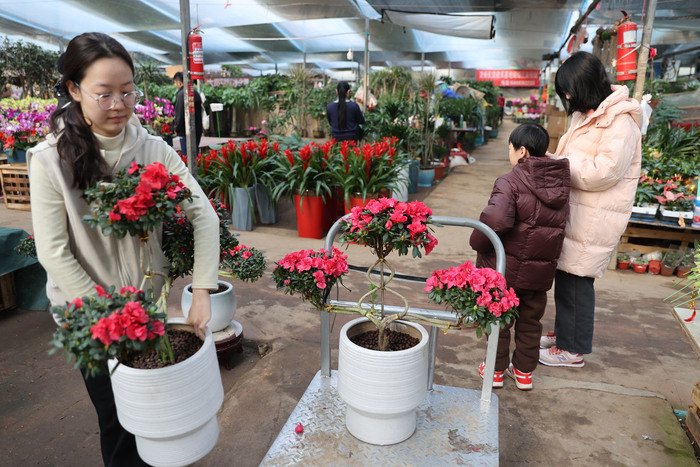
350,55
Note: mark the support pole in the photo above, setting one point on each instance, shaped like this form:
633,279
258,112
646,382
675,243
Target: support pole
644,50
189,116
365,82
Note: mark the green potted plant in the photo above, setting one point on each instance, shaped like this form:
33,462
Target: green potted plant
676,202
646,204
623,261
671,260
640,264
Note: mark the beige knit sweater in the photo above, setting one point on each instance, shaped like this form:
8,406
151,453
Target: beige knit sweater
76,256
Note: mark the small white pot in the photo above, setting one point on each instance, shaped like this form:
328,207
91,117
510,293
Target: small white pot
382,389
223,306
171,410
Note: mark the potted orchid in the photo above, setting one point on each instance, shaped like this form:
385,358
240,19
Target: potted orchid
23,124
158,117
130,330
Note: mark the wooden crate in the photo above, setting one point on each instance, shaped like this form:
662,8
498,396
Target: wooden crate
8,297
15,186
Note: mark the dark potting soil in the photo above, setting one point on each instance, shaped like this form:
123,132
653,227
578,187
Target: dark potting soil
184,345
222,288
397,340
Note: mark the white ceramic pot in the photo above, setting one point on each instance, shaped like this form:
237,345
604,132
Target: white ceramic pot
382,389
223,306
171,410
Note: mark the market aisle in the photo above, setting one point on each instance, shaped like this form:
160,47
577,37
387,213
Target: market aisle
615,410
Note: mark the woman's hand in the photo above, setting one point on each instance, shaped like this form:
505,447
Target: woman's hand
200,311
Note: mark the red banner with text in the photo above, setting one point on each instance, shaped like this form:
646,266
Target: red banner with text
510,78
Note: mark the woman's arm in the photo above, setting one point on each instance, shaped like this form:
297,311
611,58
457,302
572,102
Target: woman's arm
206,244
50,225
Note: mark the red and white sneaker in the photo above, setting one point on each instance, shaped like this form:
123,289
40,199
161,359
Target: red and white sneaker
522,380
548,340
497,376
557,357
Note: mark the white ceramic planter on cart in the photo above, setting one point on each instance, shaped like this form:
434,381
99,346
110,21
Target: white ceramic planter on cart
171,410
382,389
223,306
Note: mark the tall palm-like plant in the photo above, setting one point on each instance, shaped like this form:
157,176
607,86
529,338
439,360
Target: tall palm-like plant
431,107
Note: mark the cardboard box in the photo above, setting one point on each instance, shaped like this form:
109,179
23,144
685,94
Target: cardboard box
557,123
553,142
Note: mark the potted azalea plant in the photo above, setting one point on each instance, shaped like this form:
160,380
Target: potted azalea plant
236,261
166,394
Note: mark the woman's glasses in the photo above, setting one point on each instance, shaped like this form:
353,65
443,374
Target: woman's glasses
108,101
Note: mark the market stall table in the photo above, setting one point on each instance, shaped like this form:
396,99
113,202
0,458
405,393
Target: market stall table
656,230
20,275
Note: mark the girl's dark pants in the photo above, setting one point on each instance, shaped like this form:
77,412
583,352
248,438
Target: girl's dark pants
118,445
528,329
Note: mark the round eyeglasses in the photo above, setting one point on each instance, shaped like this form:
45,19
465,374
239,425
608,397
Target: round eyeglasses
108,101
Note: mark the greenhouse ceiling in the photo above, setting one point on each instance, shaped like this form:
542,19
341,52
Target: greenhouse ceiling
265,35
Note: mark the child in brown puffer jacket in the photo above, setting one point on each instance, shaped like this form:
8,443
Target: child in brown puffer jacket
528,209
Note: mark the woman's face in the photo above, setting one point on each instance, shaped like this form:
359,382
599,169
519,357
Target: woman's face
104,76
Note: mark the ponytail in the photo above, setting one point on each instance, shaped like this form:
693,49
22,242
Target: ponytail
343,88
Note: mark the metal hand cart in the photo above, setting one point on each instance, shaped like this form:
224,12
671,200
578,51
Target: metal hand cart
455,426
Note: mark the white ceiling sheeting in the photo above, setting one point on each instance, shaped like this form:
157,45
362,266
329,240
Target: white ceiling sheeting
264,34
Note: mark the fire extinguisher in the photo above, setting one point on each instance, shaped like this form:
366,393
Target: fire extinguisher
196,55
626,49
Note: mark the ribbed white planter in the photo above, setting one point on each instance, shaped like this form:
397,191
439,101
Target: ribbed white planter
223,306
382,389
171,410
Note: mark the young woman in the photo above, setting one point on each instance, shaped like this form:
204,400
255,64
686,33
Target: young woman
93,137
344,116
603,145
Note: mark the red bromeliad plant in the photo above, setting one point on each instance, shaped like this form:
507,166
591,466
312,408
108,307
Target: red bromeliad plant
310,273
370,168
108,325
479,296
308,170
136,201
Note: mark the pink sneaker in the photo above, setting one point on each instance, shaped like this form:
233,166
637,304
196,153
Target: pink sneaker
497,376
522,380
558,357
548,340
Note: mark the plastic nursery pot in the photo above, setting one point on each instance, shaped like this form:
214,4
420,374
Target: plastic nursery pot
682,271
654,266
640,268
667,270
623,264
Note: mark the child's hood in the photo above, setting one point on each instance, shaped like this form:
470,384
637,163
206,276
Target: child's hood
548,179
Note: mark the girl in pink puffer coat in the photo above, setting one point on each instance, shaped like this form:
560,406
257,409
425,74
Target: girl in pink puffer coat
603,146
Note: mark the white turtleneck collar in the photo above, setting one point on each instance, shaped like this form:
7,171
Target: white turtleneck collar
111,147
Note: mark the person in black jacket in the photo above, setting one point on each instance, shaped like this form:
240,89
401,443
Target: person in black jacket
180,114
528,209
345,117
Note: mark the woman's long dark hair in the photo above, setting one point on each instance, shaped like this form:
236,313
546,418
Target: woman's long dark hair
584,78
343,88
78,148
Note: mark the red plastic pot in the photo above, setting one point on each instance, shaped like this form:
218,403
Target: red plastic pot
623,264
640,268
654,266
309,210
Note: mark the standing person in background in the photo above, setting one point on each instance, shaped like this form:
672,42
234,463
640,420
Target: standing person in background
528,209
92,138
345,117
501,101
603,146
180,114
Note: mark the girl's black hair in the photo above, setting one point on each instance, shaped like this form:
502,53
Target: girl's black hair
78,148
343,88
584,78
532,137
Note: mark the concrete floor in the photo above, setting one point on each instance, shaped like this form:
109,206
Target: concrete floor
617,410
